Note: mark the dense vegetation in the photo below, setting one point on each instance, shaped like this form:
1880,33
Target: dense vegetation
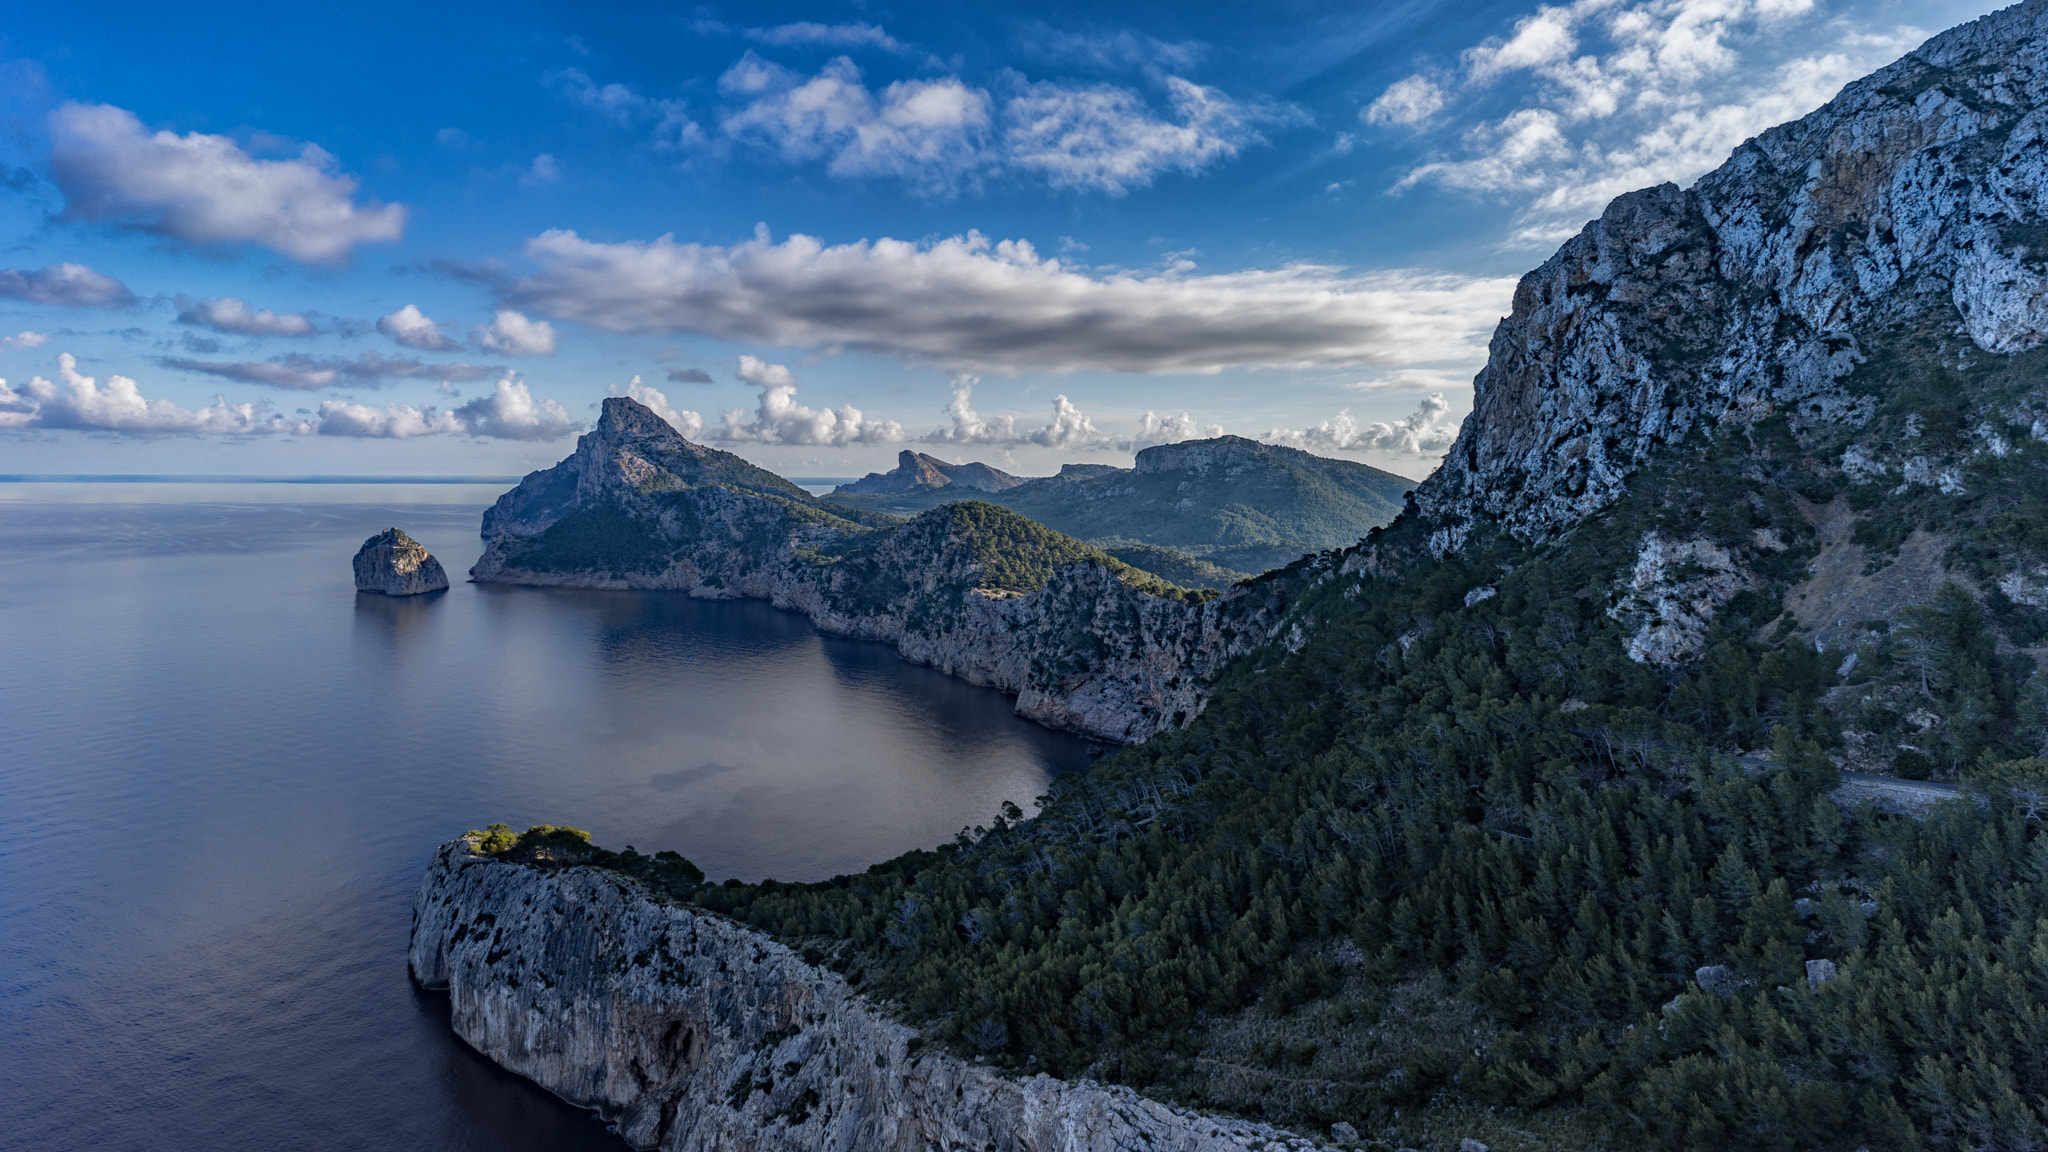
1175,567
1247,519
1481,829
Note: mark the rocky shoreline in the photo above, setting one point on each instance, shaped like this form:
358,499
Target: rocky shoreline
689,1033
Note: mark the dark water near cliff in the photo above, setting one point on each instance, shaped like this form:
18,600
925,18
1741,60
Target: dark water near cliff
222,771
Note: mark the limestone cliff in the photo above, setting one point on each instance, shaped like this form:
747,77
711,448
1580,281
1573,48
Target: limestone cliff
1085,642
1854,303
693,1034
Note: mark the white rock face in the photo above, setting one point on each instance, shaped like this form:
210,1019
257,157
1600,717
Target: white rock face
1915,197
1087,652
1672,595
693,1034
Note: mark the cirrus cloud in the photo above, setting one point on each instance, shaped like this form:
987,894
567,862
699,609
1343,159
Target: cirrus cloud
205,190
299,372
971,303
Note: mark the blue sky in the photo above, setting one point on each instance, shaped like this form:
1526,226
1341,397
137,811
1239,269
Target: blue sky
428,240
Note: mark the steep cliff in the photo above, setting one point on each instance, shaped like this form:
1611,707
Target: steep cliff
917,472
694,1034
1085,641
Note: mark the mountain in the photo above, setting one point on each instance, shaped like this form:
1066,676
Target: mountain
917,472
1527,824
1086,641
1235,503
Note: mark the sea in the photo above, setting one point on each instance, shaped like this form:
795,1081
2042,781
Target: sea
223,771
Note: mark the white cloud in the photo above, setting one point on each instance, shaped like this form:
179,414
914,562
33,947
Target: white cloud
392,422
65,285
24,340
779,419
206,190
80,401
1108,139
1428,431
970,303
411,327
667,121
227,314
512,334
1410,102
929,132
855,35
939,134
544,170
511,413
1067,428
690,424
1155,429
1630,93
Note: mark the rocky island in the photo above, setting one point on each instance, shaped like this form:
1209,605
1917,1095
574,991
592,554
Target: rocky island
1525,824
394,564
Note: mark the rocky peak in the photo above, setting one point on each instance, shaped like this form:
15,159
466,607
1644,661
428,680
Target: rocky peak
1911,203
1220,453
916,471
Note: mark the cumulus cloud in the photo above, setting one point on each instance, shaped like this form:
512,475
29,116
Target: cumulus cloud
227,314
1067,427
512,334
1428,431
1410,102
1156,429
970,303
82,402
300,372
412,328
1632,93
667,121
855,35
688,376
511,413
65,285
942,133
690,424
779,419
205,190
22,340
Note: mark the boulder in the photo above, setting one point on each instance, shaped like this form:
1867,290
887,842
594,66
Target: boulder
395,564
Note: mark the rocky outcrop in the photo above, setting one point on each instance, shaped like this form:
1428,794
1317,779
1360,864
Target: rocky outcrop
1086,643
692,1034
916,471
395,564
1909,207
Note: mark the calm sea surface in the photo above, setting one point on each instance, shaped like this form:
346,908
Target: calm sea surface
222,772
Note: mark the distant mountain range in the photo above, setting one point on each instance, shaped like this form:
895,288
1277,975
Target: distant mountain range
1229,506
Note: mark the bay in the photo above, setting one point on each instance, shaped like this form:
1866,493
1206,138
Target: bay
222,772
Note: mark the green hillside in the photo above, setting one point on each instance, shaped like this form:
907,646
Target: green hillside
1233,502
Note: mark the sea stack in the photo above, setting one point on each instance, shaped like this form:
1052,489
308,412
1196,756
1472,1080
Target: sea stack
395,564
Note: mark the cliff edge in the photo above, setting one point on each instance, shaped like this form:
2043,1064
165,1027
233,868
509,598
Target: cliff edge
693,1034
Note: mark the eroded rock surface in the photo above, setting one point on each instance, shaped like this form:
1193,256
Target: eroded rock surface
693,1034
397,565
